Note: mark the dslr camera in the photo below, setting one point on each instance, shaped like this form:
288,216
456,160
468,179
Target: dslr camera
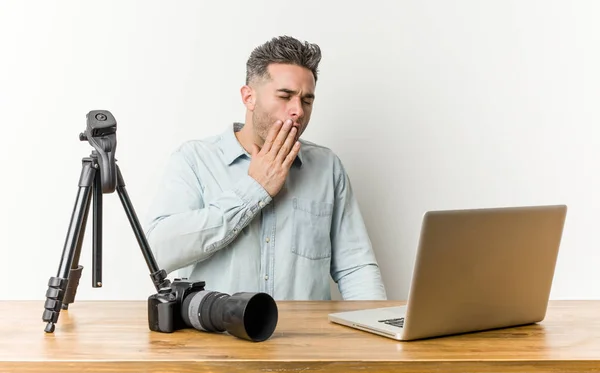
185,304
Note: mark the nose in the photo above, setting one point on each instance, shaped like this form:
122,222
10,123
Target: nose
296,111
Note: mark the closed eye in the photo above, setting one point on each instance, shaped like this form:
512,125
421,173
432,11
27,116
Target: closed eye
306,99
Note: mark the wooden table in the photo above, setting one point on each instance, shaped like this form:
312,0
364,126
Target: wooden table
113,336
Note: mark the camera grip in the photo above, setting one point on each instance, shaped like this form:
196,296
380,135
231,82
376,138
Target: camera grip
161,315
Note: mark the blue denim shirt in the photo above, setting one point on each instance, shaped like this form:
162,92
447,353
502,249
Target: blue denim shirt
220,226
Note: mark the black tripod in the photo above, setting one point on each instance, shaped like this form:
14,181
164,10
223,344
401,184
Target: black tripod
99,174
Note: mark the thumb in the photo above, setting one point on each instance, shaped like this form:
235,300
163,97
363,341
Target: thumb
254,150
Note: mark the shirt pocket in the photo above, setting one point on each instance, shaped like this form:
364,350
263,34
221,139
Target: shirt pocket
311,226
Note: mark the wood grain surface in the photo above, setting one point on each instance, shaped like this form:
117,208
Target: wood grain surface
114,336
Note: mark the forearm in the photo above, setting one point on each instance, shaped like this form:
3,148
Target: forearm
184,238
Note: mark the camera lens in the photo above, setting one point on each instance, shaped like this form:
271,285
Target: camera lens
251,316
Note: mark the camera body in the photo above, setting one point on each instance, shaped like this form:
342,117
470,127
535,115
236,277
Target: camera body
164,307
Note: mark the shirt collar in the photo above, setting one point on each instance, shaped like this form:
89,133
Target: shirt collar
232,149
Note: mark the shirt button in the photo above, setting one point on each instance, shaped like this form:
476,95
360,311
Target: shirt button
267,239
261,204
266,277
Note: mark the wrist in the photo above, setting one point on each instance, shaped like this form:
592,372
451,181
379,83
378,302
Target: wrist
252,192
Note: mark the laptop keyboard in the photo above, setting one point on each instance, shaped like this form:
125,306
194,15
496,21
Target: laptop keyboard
399,322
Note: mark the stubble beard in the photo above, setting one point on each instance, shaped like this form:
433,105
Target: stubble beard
261,123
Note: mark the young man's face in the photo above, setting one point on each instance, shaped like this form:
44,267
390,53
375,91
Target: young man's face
288,94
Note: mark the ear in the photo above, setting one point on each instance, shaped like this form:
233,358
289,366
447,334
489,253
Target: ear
248,97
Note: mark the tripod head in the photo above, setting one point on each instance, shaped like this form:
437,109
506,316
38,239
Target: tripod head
101,133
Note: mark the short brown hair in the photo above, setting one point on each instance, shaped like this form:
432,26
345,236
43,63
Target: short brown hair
282,49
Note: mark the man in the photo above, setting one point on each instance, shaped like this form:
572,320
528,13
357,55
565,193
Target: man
256,208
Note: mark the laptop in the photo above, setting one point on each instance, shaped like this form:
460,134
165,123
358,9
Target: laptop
475,270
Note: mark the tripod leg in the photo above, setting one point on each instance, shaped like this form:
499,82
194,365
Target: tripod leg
76,269
158,275
57,286
97,235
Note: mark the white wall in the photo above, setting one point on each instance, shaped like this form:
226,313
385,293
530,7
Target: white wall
430,104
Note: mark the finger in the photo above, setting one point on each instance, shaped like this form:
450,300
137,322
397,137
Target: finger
279,140
287,145
292,155
271,135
